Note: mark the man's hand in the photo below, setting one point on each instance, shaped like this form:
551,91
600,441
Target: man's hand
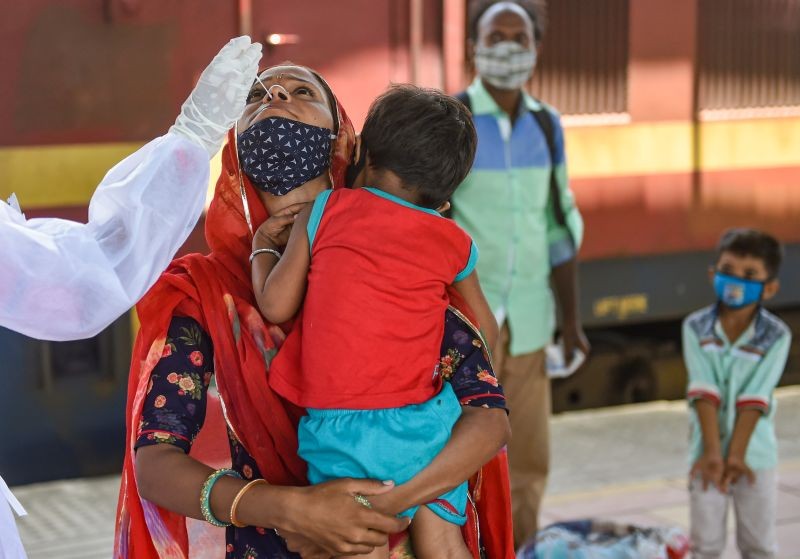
574,338
329,516
735,468
710,468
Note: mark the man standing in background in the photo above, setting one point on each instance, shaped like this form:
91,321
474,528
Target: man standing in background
517,206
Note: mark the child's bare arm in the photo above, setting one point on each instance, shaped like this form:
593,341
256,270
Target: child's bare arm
470,289
279,284
710,464
735,466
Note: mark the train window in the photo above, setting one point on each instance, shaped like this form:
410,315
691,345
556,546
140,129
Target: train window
583,68
748,54
105,356
82,357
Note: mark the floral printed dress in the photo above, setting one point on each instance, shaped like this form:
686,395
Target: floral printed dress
175,407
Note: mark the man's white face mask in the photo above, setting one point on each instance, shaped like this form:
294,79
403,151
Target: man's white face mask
505,65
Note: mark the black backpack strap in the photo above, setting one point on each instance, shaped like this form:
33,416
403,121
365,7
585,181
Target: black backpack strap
545,121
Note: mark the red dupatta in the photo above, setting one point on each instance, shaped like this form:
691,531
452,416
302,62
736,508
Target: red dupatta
215,290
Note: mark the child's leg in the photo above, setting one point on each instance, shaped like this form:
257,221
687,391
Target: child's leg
708,512
433,537
755,515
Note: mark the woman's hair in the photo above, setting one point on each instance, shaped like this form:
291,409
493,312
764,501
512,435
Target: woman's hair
536,10
423,136
743,241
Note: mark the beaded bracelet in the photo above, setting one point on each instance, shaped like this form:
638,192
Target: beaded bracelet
205,496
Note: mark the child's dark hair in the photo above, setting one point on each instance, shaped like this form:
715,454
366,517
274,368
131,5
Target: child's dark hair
423,136
750,242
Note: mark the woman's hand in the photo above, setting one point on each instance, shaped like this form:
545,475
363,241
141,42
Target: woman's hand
274,232
329,516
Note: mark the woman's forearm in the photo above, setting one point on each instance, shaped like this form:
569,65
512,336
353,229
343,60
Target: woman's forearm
476,438
173,480
326,514
168,477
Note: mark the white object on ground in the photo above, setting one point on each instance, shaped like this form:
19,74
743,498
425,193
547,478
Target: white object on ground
218,99
555,363
10,542
64,280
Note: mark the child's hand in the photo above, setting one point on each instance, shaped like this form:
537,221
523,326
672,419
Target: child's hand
274,232
710,468
735,468
303,546
388,503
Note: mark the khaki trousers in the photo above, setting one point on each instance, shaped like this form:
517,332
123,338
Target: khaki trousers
527,389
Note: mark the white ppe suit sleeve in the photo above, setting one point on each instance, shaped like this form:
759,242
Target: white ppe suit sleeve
63,280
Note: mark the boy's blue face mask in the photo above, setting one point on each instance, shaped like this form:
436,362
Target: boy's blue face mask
736,293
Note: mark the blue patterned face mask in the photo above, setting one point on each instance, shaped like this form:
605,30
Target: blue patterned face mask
736,293
279,154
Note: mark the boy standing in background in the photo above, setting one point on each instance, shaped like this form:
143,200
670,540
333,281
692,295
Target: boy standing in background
735,353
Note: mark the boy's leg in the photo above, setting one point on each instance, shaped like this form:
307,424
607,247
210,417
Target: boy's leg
708,513
755,515
433,537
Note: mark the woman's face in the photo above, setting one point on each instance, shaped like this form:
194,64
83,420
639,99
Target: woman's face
296,94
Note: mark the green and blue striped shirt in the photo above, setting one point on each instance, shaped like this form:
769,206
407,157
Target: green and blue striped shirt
504,205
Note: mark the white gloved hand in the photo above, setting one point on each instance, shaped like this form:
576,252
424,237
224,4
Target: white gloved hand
218,99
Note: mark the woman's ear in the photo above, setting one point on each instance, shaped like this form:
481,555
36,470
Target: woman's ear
443,208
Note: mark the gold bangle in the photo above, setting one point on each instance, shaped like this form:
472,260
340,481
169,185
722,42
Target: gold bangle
239,495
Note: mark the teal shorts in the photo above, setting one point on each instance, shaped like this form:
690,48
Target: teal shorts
386,444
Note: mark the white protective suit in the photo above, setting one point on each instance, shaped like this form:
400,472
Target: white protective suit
63,280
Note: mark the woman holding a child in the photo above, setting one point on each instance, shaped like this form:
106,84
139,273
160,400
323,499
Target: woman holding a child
201,322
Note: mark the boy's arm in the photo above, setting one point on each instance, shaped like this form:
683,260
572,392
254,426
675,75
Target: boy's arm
704,395
709,466
752,403
735,465
470,290
279,284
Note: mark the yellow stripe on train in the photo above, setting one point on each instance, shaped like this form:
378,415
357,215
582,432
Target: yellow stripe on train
66,175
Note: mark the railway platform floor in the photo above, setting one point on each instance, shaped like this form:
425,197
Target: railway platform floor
626,464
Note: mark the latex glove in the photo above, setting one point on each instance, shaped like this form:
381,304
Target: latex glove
218,99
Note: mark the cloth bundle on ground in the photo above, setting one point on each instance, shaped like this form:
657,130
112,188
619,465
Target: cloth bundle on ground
595,539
